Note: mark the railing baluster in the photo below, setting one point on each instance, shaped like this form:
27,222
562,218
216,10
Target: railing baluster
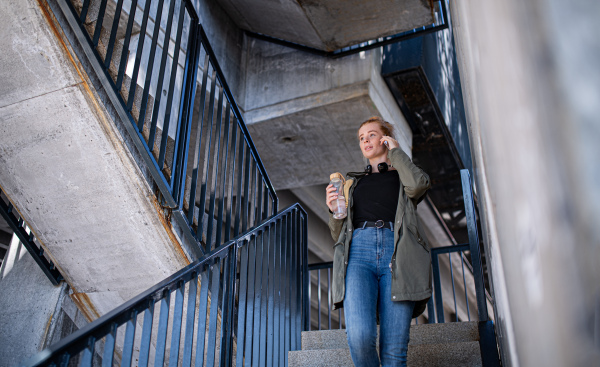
319,297
250,301
84,10
138,57
465,285
215,171
161,76
207,149
126,42
215,280
129,340
257,299
277,292
198,150
438,289
88,353
231,182
329,297
169,106
238,198
109,346
99,22
222,182
202,318
271,289
113,34
453,287
161,335
264,296
146,334
244,213
150,67
189,321
243,301
228,308
176,329
283,289
288,286
309,304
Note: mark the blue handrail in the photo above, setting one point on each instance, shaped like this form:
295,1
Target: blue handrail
260,306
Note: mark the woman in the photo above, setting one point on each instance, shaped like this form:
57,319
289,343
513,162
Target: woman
381,261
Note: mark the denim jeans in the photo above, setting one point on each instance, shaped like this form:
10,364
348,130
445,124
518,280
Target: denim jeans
368,292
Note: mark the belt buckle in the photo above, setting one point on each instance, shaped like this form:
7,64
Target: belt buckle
379,223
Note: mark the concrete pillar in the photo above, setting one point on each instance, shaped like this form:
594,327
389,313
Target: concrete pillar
29,304
530,78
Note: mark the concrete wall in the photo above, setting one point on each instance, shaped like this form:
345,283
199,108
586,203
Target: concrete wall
29,303
530,78
67,170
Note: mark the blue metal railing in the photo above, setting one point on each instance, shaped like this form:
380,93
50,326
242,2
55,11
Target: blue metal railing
28,239
321,309
188,129
474,266
245,300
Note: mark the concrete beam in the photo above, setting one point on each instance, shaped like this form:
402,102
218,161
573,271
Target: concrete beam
305,111
328,25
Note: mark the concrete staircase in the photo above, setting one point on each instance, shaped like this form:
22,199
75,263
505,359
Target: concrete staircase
431,345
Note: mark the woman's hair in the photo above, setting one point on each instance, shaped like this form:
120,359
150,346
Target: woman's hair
386,127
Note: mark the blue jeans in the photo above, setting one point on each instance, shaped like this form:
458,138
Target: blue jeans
368,292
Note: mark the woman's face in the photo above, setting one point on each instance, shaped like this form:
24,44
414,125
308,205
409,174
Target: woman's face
369,137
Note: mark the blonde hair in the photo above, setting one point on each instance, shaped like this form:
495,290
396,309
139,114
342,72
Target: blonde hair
386,127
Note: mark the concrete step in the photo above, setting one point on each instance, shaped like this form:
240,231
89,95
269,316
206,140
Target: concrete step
453,332
423,355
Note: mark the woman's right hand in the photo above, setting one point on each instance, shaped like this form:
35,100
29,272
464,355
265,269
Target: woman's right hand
331,196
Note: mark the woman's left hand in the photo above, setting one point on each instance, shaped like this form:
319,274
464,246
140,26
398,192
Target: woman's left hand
391,142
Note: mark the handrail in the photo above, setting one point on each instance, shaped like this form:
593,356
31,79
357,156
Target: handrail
152,85
268,310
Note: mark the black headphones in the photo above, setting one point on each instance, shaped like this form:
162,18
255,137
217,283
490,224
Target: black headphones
382,167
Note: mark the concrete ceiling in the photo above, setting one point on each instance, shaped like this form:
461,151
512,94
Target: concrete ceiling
328,25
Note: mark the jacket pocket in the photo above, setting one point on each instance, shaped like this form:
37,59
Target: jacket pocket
417,236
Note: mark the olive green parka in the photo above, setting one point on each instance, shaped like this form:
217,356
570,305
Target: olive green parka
411,261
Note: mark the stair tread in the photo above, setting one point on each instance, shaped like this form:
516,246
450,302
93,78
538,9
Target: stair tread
430,355
419,334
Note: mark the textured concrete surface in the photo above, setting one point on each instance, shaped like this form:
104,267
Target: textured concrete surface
28,302
464,354
452,332
305,132
531,92
328,25
66,169
30,65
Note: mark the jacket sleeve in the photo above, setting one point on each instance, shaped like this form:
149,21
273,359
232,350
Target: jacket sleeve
415,181
335,226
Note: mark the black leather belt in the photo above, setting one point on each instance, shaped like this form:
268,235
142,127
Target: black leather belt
377,224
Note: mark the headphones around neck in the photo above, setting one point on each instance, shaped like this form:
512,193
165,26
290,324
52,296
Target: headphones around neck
382,167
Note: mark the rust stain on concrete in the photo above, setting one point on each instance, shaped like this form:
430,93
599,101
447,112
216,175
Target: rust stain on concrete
84,304
107,125
47,328
165,220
